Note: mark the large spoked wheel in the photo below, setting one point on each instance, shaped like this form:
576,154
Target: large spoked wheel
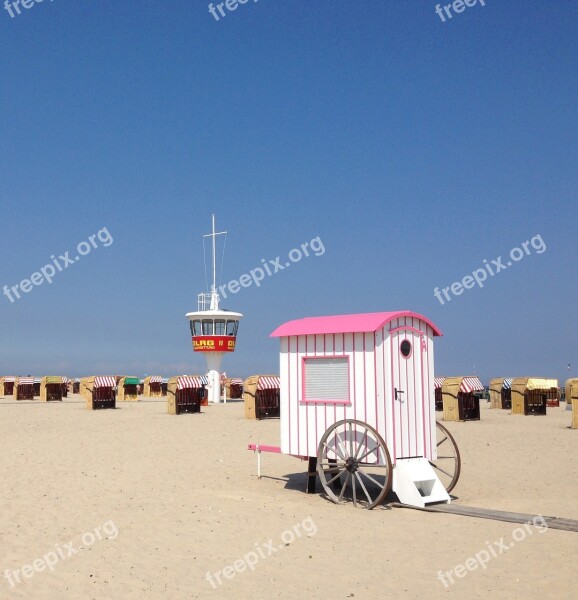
448,463
353,464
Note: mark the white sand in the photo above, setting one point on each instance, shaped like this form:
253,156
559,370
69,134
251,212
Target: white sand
182,495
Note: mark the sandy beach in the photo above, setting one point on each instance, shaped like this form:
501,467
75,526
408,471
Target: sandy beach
136,503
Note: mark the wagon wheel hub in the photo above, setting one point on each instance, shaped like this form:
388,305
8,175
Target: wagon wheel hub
351,465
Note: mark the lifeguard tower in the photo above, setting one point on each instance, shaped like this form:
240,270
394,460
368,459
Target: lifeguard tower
214,330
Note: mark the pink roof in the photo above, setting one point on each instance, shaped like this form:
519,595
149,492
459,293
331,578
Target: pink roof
366,322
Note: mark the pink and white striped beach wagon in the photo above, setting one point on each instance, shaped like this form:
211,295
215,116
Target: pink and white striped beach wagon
357,401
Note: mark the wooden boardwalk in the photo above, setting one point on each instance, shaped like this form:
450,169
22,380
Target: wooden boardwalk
496,515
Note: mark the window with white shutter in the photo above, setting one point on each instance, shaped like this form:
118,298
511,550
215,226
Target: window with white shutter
326,380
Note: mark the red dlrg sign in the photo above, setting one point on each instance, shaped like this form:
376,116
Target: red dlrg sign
214,343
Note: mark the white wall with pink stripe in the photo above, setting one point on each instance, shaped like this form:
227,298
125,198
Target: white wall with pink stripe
377,368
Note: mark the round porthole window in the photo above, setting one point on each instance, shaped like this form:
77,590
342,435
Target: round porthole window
405,348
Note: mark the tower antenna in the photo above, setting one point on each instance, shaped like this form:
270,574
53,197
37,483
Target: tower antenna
214,292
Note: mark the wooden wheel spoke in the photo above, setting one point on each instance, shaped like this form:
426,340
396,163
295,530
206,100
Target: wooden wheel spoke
334,478
381,486
330,467
332,471
363,445
340,442
344,486
440,443
334,450
354,491
350,441
440,469
367,453
363,488
448,457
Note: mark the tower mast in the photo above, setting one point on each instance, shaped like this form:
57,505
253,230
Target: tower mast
214,294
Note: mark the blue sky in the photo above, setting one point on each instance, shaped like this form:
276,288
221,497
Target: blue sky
413,148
